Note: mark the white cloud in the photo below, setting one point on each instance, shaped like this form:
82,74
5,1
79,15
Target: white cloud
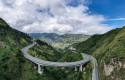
51,16
118,19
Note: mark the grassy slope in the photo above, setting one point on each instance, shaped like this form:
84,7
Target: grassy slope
108,49
44,51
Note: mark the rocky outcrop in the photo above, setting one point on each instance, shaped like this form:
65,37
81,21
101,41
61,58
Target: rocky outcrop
114,64
108,69
2,44
123,65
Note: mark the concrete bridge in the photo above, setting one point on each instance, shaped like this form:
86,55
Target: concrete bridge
76,64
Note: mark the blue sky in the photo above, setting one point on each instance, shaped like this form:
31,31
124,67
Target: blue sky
63,16
111,9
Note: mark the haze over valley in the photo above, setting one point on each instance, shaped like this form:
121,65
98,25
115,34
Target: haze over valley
60,41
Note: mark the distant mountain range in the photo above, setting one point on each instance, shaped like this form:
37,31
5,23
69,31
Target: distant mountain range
60,41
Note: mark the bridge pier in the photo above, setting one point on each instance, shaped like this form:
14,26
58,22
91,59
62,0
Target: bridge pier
40,70
80,68
75,68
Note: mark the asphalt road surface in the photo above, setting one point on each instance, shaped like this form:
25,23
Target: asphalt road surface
62,64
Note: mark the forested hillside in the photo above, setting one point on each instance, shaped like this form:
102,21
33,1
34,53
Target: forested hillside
13,65
11,57
109,50
60,41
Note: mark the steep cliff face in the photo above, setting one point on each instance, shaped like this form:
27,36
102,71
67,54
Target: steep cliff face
109,50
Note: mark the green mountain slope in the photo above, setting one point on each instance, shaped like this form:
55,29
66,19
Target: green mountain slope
59,41
11,57
109,50
44,51
13,65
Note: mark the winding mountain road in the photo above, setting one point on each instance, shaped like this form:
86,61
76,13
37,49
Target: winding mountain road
61,64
